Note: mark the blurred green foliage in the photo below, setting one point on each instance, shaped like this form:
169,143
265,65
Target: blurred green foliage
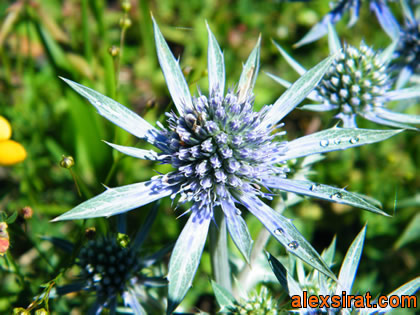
42,40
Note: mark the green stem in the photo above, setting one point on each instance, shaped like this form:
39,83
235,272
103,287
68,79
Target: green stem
16,268
86,34
219,251
112,170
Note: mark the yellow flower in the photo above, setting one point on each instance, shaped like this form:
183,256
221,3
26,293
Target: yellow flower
11,152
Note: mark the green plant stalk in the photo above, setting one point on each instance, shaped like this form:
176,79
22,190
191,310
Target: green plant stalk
219,251
118,59
16,268
75,182
112,170
146,31
86,36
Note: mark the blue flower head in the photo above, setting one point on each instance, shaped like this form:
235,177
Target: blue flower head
357,84
111,267
406,58
223,154
341,8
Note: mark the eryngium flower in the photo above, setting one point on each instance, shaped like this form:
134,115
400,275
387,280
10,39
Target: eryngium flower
107,267
222,152
319,285
406,62
357,84
341,7
111,267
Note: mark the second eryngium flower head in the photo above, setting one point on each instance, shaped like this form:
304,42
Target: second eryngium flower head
222,152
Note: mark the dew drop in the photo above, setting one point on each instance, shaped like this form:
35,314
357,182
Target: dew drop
337,141
279,231
238,212
324,143
293,245
336,195
354,140
313,187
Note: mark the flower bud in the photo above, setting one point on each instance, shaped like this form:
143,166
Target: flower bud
123,240
26,213
20,311
126,5
125,22
67,161
114,51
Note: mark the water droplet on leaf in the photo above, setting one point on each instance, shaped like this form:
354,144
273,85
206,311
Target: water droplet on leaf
313,187
324,143
293,245
354,140
279,231
336,195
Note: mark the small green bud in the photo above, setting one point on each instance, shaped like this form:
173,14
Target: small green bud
114,51
126,5
41,311
20,311
125,22
123,240
67,162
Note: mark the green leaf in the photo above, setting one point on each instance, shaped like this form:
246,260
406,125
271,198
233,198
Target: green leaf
186,257
350,264
296,93
117,200
411,232
333,139
223,297
249,73
216,65
12,218
175,80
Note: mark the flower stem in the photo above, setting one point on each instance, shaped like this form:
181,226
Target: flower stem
219,252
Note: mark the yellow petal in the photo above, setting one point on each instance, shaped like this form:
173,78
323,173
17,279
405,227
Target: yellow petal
11,152
5,129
